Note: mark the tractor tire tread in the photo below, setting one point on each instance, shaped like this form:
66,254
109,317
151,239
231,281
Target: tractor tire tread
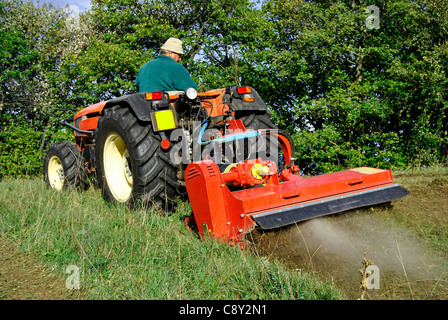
72,161
155,179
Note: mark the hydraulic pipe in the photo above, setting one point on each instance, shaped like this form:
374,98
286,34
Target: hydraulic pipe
231,137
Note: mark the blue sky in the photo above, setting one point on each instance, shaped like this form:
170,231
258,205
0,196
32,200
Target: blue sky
82,4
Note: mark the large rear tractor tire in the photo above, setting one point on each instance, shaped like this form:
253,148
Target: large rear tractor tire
258,121
261,149
64,167
132,168
263,121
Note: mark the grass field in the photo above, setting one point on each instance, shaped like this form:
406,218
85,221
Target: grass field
124,254
407,241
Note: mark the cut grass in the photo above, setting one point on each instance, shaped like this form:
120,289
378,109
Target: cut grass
408,241
134,254
425,212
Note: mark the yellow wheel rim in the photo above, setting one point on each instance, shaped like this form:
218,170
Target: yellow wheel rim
56,173
117,168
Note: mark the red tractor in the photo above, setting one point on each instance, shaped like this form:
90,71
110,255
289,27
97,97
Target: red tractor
218,148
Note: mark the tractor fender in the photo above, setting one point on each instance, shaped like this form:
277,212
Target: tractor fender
86,120
136,102
239,105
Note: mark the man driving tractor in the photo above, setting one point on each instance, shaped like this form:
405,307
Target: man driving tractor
165,71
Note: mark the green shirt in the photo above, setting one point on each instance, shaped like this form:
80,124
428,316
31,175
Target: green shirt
163,73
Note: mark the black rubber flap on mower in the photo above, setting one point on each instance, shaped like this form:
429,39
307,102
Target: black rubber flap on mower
288,215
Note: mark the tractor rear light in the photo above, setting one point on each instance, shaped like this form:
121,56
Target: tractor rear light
153,96
248,98
243,90
165,144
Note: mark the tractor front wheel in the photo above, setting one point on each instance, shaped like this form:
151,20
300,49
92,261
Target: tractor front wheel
64,167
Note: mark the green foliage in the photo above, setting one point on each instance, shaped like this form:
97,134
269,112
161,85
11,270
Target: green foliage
20,154
30,103
349,95
101,72
359,95
218,36
22,146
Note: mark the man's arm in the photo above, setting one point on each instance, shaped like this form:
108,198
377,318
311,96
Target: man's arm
182,80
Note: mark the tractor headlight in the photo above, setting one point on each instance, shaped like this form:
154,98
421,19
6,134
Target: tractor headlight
191,93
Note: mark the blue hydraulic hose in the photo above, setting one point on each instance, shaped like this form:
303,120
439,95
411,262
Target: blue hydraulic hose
202,132
233,137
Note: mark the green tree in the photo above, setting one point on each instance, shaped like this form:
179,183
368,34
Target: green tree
217,35
29,103
352,95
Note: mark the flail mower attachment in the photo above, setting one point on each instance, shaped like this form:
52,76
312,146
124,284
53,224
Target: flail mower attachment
270,199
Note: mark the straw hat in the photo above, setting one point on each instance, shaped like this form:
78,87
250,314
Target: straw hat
174,45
